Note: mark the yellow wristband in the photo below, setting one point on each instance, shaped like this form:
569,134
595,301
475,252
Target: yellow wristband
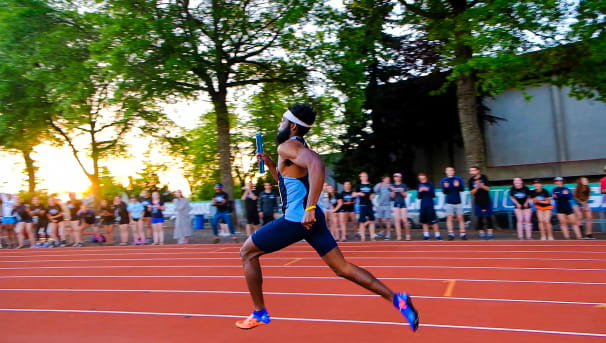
313,207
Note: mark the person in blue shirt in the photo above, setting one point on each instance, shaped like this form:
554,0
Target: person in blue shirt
452,186
399,192
562,196
157,219
136,211
426,191
365,193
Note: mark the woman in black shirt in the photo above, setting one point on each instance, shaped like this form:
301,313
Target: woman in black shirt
520,196
346,209
122,219
331,213
54,214
542,202
24,223
106,212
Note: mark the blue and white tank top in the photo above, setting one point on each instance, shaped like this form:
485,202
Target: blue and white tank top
294,192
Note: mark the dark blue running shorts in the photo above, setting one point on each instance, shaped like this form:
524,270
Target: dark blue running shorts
281,233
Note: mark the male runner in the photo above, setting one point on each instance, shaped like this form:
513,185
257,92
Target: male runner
300,173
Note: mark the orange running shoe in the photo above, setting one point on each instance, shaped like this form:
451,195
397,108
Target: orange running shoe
252,322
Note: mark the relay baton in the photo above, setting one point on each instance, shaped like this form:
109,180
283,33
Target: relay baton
260,150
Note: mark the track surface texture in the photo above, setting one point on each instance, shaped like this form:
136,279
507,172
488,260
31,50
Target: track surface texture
497,292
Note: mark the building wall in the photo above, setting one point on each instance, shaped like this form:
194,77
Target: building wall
550,135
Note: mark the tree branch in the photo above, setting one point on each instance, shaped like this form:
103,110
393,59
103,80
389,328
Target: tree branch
427,14
69,142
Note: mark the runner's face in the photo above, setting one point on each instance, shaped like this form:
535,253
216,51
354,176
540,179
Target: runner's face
35,201
330,189
364,177
450,172
538,186
387,180
397,179
422,178
559,183
585,181
267,187
517,182
347,186
473,171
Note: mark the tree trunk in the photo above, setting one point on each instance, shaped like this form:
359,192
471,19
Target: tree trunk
31,169
224,141
473,140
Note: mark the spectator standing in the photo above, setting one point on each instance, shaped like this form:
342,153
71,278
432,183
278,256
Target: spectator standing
452,186
183,229
107,220
427,213
145,199
24,223
399,193
323,201
346,211
563,196
136,211
122,219
332,214
520,196
542,202
582,193
482,205
268,204
221,202
365,194
384,206
40,221
8,219
54,214
251,198
73,206
157,219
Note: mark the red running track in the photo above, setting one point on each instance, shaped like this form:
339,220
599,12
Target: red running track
466,292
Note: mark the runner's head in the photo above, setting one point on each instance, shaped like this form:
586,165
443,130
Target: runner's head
250,185
518,182
218,188
474,171
422,177
347,186
363,177
178,194
558,181
102,203
330,189
296,122
267,187
583,181
397,177
450,171
144,193
35,201
386,179
18,200
72,195
51,201
117,200
156,196
133,198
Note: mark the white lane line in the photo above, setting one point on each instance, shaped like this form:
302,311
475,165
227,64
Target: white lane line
318,320
307,266
214,252
67,290
285,277
310,258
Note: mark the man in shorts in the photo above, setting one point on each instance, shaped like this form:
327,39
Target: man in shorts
383,196
300,173
482,206
452,186
365,195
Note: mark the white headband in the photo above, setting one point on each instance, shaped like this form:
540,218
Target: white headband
288,115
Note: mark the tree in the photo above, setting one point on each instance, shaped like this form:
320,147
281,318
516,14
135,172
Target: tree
478,40
63,89
23,110
180,49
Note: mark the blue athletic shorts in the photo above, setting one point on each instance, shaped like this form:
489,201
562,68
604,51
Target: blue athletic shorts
281,233
9,220
155,220
398,204
366,213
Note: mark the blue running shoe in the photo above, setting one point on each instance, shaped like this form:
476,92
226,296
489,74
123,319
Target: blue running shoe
403,303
